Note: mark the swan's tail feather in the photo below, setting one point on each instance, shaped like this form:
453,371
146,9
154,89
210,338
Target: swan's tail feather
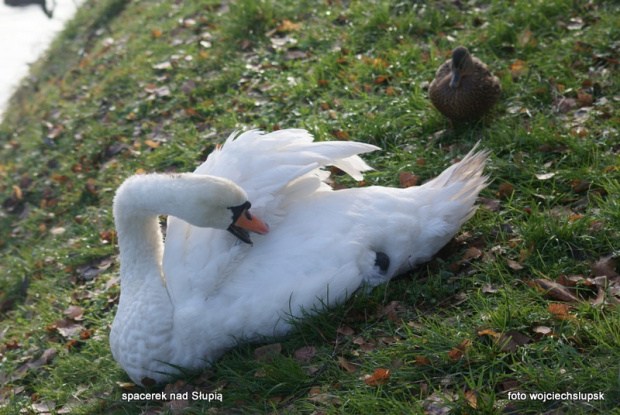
462,182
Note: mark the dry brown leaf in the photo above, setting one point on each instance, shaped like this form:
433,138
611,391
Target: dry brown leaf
67,328
74,312
584,99
492,205
305,354
267,353
346,365
378,377
156,33
605,266
407,179
459,351
600,296
565,105
288,26
512,339
518,68
505,190
489,332
471,399
553,289
514,265
560,311
380,80
345,330
472,253
422,361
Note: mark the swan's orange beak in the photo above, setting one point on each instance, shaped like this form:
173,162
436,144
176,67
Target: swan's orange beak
246,222
252,223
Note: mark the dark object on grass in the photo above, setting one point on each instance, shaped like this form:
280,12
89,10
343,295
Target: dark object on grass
464,88
23,3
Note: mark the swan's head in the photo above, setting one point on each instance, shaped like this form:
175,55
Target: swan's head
461,65
215,202
244,221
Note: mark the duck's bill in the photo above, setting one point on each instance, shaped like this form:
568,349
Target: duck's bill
247,223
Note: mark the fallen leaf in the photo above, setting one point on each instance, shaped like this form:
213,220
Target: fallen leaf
488,332
346,365
518,68
267,353
67,328
514,265
407,179
600,296
605,266
560,311
491,204
74,312
459,351
378,377
471,253
545,176
422,361
345,330
553,289
584,99
544,330
565,105
163,66
505,190
156,33
45,407
512,339
288,26
305,354
470,396
151,143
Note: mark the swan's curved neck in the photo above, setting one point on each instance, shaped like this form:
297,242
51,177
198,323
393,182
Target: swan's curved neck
137,206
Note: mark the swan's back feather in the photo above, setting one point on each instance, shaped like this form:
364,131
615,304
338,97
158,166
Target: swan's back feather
288,168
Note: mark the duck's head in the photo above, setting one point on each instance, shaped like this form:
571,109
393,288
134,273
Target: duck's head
461,65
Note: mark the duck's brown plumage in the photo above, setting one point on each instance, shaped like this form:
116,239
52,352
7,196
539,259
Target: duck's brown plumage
464,88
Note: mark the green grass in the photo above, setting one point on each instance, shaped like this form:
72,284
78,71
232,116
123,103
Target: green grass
98,111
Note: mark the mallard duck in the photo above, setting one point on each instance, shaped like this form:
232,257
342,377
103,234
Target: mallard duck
464,88
187,300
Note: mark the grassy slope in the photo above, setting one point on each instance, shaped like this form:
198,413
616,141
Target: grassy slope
100,110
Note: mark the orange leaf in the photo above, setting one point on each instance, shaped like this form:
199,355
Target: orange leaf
471,399
378,377
18,192
560,311
459,351
380,80
489,333
151,143
518,68
288,26
156,33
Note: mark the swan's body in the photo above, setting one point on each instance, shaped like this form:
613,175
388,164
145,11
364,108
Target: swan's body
185,305
464,88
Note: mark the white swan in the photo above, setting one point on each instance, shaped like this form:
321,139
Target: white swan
185,305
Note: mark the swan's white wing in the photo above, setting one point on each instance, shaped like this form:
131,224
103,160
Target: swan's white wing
273,169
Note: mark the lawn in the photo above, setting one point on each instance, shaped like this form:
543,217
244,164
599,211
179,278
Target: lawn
518,314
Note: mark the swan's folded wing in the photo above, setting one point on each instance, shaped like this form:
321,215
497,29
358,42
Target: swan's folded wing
274,169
